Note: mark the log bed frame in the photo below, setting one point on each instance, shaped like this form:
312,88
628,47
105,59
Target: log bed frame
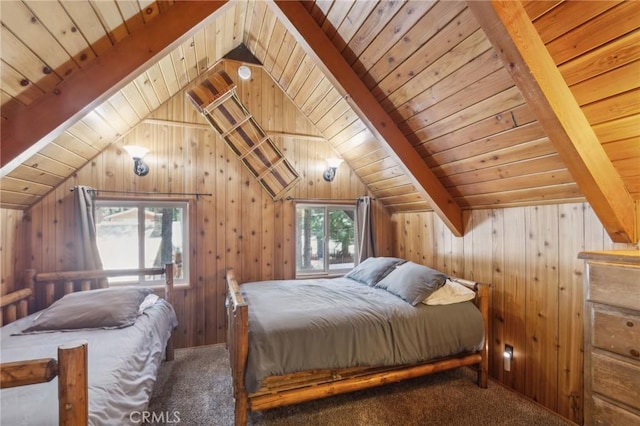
71,365
277,391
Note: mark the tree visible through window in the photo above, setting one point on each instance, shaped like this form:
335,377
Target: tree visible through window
325,239
143,234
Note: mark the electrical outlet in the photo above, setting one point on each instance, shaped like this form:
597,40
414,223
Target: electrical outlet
508,357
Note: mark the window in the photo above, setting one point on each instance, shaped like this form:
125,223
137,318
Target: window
325,239
143,234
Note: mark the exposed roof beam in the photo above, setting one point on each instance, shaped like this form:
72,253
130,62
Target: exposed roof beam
317,45
525,56
30,128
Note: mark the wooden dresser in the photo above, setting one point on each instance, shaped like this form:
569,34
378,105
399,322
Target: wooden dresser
612,338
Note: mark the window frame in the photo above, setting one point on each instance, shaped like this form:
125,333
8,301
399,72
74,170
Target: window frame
188,221
327,206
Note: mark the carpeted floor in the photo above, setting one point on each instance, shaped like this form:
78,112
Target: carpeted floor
196,387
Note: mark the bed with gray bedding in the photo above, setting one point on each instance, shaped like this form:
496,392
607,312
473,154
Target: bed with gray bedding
339,323
292,341
122,364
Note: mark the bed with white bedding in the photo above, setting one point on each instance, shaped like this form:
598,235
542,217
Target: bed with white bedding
123,364
126,331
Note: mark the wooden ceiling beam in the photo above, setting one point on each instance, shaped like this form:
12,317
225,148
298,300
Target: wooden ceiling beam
295,17
30,128
527,59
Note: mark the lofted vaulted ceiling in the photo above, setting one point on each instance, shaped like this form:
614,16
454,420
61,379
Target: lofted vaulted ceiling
437,105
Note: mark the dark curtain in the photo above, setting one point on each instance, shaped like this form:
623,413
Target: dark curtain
366,246
88,255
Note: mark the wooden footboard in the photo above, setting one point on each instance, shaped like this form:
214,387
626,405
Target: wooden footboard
288,389
71,370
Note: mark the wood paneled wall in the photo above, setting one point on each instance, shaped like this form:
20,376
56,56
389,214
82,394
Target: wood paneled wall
11,249
239,226
529,255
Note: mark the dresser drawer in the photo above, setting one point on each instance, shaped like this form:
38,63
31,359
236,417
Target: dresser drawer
616,331
616,285
616,379
608,414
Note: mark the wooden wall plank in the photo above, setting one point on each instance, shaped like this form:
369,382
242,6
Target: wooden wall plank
476,69
53,16
12,83
536,8
87,21
515,252
20,57
541,316
596,32
570,311
617,53
530,257
17,18
611,83
450,36
358,13
394,30
378,18
572,14
617,106
475,92
11,248
438,17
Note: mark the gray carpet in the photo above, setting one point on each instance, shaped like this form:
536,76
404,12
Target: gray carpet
197,385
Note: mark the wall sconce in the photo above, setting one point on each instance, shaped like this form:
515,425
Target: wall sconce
244,72
136,152
330,173
508,357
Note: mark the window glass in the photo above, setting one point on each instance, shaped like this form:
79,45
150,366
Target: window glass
310,239
325,239
342,244
133,235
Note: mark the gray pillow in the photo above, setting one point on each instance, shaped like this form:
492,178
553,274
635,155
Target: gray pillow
412,282
373,269
104,308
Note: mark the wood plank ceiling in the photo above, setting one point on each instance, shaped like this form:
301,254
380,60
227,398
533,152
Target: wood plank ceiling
429,64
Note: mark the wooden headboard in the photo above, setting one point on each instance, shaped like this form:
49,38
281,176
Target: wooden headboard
41,289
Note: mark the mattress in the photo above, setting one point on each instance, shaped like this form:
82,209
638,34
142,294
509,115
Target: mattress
123,365
298,325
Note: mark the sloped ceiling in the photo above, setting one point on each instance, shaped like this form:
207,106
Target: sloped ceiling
415,96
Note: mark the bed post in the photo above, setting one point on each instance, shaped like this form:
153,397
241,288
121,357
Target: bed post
238,344
482,301
168,288
73,387
30,283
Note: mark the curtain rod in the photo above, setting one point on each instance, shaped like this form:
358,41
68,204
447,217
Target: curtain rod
197,194
336,200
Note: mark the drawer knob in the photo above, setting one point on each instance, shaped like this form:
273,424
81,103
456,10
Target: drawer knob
629,323
634,353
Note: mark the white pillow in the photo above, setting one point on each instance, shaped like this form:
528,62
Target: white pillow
148,302
450,292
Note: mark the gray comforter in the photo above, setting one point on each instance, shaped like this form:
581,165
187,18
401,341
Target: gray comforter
338,323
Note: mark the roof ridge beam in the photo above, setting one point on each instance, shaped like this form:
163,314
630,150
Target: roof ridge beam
513,35
297,20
